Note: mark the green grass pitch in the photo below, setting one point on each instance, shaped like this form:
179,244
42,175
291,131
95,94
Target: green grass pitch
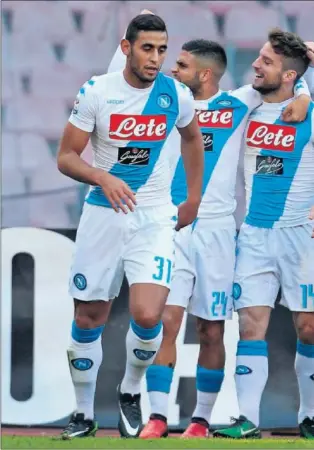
21,442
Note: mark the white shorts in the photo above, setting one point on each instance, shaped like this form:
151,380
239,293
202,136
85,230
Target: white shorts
272,258
204,269
109,244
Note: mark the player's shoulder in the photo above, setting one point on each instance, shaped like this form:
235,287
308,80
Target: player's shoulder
98,84
181,88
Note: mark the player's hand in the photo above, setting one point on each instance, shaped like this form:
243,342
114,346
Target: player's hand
117,192
311,216
146,11
310,53
297,110
187,213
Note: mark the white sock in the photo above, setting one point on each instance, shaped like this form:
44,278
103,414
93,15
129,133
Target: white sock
142,344
84,360
159,379
251,377
304,367
204,405
159,403
208,385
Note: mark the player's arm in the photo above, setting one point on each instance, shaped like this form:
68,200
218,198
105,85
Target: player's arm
192,150
73,142
309,74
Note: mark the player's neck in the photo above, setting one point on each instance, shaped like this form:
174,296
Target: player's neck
206,92
283,94
134,81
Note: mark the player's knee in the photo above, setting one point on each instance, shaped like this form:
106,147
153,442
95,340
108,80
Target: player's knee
305,331
146,319
90,315
250,326
210,332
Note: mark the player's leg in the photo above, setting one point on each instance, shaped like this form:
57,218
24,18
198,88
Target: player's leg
211,303
159,375
304,366
298,296
92,285
255,290
148,264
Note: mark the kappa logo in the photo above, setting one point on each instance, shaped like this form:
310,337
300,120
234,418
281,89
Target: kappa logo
164,101
224,102
115,102
76,106
143,355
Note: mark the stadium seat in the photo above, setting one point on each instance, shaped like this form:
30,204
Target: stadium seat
305,24
83,53
10,151
248,77
8,84
294,8
61,80
86,6
28,52
227,82
50,20
221,7
28,113
35,153
9,188
99,24
243,30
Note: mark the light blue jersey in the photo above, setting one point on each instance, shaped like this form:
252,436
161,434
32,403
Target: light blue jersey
279,168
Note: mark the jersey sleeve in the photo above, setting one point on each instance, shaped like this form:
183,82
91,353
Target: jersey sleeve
83,115
309,78
118,61
249,96
301,88
186,106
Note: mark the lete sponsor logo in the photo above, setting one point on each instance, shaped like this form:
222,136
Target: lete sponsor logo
220,118
271,136
138,127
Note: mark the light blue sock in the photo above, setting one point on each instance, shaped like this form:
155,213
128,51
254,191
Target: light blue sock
159,379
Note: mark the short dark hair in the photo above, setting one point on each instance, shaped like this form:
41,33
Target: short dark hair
144,22
207,50
292,48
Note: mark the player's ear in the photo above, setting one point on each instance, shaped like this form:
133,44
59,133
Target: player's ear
289,75
205,75
125,47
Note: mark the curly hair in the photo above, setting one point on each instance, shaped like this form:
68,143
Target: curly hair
292,48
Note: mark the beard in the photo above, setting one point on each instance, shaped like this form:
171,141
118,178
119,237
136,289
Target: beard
137,72
268,88
195,85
